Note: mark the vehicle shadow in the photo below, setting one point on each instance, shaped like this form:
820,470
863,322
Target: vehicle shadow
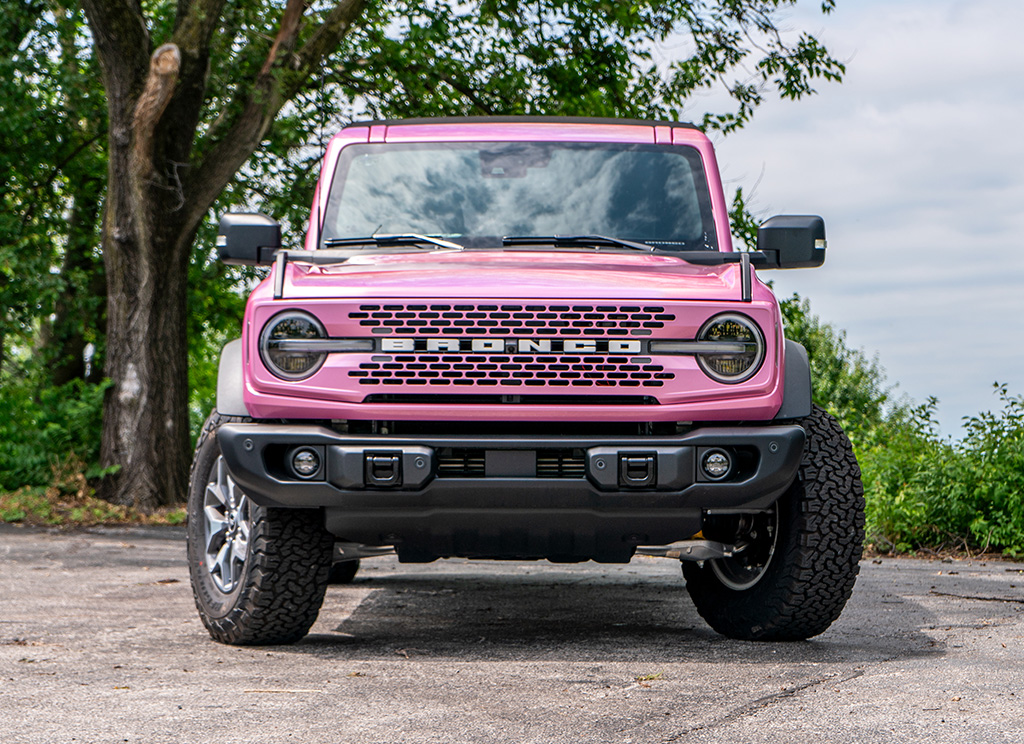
554,613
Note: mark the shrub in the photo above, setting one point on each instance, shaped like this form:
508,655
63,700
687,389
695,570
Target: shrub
925,492
43,428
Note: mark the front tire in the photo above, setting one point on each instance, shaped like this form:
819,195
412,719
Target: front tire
799,560
258,574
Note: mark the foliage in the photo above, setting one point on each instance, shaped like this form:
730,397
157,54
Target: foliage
56,506
40,427
51,165
404,59
925,492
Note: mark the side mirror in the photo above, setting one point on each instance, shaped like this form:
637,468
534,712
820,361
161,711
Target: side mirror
248,239
793,241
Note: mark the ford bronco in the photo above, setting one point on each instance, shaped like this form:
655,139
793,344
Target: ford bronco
520,338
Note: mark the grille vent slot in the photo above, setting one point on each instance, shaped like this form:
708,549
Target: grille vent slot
460,463
530,371
512,320
592,399
561,464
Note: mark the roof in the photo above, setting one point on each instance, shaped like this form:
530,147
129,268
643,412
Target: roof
520,120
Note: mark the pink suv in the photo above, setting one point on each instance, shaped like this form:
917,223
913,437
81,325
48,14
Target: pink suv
520,338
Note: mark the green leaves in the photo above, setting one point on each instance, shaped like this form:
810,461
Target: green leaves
928,492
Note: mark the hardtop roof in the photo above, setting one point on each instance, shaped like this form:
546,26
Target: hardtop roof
442,120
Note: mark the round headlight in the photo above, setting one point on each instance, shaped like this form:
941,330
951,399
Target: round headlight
281,346
745,344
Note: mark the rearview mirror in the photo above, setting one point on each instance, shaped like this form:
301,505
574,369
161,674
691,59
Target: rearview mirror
248,239
793,241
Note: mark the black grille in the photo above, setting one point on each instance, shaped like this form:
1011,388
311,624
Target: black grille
546,400
471,463
460,463
531,371
561,464
512,320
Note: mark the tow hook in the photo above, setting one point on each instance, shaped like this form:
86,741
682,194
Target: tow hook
638,471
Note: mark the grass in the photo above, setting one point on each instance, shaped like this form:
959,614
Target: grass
41,507
49,507
69,501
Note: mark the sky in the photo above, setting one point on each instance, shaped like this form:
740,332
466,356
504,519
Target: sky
916,162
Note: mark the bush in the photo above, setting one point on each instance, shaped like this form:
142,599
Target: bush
43,428
925,492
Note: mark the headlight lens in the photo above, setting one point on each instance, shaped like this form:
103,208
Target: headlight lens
290,363
733,366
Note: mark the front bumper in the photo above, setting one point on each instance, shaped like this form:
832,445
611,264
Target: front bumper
568,498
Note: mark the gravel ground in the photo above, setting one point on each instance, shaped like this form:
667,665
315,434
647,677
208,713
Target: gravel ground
100,642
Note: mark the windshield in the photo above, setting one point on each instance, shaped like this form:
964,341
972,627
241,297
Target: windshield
479,192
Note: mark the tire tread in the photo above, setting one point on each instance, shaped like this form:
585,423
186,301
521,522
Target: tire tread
815,574
286,573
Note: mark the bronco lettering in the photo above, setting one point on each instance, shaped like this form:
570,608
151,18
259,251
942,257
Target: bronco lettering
512,345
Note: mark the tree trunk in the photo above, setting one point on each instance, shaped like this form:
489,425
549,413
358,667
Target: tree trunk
145,250
145,413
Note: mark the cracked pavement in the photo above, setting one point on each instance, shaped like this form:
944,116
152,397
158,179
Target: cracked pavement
100,642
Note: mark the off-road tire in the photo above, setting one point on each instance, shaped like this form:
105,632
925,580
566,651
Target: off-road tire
282,583
810,575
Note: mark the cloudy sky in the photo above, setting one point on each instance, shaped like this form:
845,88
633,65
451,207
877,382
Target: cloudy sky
916,161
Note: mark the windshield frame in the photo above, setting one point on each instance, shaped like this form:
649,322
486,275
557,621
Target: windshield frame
692,154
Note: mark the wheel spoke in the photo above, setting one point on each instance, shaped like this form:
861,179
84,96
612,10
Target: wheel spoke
216,528
227,525
215,494
243,534
222,567
239,551
752,556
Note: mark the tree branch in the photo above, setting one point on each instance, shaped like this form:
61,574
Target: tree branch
164,66
272,88
196,22
323,42
285,39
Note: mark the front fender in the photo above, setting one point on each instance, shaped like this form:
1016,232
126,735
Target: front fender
231,380
796,402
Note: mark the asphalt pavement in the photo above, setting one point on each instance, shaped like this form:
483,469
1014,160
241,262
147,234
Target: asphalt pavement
100,642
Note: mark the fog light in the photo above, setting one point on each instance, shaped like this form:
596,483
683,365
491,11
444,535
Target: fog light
716,464
306,462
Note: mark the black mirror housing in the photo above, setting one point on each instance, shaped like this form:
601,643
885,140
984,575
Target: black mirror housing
248,239
793,241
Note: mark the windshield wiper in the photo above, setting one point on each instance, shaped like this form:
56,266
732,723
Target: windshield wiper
384,241
578,241
707,257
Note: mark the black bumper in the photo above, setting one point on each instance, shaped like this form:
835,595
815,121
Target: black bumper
567,498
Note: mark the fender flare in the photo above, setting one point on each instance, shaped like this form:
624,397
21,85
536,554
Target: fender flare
231,380
796,400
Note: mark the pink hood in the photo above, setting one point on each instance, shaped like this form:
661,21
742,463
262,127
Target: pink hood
484,274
